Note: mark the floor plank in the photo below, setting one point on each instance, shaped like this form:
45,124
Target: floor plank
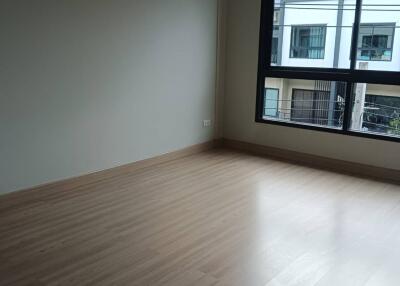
220,217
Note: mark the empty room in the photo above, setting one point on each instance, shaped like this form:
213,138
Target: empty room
200,142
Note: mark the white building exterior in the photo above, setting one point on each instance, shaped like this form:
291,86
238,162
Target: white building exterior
295,14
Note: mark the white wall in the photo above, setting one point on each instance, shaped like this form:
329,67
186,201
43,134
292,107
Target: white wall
240,101
87,85
221,63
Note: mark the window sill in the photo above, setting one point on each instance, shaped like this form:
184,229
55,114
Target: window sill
368,135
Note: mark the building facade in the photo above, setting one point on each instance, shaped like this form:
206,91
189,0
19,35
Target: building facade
318,34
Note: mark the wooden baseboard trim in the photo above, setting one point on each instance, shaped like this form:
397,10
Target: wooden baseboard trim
340,166
74,182
372,172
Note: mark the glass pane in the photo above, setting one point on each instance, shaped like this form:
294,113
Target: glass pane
378,43
312,33
376,109
311,102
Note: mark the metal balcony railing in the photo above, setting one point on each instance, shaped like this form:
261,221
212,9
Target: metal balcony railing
376,117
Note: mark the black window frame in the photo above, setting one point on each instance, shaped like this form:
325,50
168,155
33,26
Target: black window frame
350,76
292,36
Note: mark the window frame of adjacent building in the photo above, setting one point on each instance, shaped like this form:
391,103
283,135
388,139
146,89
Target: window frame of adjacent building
351,76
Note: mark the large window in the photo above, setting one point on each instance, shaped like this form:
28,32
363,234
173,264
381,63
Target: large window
308,42
331,66
376,42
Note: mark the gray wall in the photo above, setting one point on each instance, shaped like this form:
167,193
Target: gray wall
240,100
87,85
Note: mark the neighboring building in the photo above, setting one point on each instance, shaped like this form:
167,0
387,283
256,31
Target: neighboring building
318,34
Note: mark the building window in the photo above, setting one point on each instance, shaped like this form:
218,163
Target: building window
271,102
357,95
376,42
310,106
276,15
308,42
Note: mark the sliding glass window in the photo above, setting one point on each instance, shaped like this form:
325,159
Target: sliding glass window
331,65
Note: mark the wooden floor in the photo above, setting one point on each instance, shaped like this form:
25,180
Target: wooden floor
215,218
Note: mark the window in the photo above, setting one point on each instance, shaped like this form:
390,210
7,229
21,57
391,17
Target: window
271,102
376,42
310,106
276,15
308,42
330,66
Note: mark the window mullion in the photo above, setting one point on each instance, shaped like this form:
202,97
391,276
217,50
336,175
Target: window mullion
355,36
353,62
